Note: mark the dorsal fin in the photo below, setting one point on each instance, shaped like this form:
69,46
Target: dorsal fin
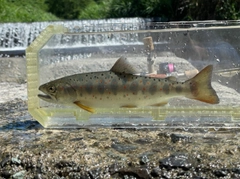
123,66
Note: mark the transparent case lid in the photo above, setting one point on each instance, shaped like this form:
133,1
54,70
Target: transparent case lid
171,53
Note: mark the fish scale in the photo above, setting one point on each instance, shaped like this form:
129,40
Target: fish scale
121,87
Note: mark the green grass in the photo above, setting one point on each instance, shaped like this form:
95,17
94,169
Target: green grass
95,10
24,11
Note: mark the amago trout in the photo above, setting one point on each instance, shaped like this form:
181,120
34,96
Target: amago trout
121,87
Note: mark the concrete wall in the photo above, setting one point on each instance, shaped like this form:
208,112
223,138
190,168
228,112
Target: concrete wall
13,70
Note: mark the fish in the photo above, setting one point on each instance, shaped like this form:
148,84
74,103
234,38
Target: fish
123,87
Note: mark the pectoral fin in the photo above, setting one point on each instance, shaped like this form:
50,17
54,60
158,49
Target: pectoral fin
89,109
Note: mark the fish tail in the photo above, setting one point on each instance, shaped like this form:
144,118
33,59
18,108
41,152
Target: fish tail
200,87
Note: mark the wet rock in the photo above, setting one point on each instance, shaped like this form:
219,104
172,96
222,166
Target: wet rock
73,175
6,159
96,144
179,137
16,161
64,163
236,170
38,176
144,160
123,148
85,176
19,174
114,155
156,172
143,141
27,163
95,173
140,173
163,135
221,173
176,161
197,177
5,174
77,139
128,135
114,168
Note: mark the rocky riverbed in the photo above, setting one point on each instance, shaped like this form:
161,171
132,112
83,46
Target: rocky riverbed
27,150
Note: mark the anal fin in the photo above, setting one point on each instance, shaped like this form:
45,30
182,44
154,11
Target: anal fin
86,108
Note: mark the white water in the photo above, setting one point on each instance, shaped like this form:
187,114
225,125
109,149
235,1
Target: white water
17,36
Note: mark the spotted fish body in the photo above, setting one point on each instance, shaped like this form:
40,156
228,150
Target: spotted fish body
120,87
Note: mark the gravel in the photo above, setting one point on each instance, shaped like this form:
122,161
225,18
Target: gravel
34,152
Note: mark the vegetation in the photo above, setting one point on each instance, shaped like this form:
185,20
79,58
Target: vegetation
213,9
24,11
141,8
95,10
67,9
45,10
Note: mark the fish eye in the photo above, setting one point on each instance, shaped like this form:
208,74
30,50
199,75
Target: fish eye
52,89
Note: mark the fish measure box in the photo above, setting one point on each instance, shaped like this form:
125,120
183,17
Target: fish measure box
170,53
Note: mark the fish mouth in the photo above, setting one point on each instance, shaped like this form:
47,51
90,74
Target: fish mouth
45,97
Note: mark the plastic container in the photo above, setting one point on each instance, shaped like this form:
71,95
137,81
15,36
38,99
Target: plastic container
185,47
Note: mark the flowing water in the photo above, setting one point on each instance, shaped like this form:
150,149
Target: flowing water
15,37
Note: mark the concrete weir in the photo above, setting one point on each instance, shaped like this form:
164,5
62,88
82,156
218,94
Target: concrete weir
15,37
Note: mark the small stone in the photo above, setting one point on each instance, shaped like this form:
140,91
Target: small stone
122,148
220,173
38,176
236,170
179,137
19,175
128,135
144,160
96,144
5,174
85,176
76,139
64,163
141,173
5,161
113,168
197,177
94,173
176,161
156,172
16,160
143,141
166,175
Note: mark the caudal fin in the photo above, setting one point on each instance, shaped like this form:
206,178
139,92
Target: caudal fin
200,87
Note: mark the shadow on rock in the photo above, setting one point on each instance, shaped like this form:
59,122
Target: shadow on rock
21,125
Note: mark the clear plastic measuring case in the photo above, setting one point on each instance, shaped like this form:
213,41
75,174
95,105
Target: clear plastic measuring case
157,50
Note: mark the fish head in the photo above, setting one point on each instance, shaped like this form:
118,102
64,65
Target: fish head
57,92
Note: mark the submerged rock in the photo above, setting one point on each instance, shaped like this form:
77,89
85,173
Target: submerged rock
123,148
176,161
